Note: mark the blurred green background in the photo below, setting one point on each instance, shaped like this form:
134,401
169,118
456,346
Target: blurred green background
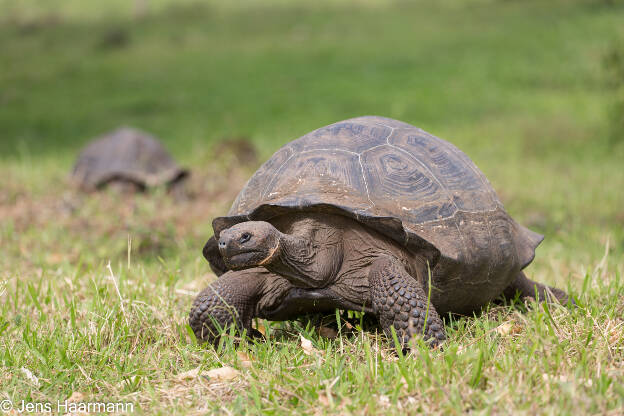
528,89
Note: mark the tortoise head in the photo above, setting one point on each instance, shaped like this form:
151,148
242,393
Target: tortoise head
249,244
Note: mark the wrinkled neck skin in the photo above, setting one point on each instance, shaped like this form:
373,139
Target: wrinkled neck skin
310,251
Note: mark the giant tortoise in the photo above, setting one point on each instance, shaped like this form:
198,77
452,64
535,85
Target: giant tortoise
368,214
128,159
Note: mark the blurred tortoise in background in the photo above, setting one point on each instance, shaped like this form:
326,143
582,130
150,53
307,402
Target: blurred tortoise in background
368,214
127,159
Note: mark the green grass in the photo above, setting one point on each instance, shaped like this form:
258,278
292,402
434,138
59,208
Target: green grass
519,86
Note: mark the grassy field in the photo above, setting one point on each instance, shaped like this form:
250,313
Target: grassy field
95,289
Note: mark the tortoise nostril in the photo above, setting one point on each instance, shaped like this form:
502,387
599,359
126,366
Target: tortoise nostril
244,238
222,244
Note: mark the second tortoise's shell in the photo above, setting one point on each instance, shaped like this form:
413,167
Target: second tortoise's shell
399,180
126,154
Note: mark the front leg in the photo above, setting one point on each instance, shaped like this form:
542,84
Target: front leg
400,301
235,299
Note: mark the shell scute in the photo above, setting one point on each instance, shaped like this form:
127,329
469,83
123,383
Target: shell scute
263,178
318,176
455,173
348,136
393,174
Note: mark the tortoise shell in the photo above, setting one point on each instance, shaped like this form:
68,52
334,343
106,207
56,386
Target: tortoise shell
125,154
420,190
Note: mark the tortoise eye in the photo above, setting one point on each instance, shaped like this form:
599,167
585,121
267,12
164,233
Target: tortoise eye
244,238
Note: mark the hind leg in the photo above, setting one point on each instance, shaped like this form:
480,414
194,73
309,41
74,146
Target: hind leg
526,287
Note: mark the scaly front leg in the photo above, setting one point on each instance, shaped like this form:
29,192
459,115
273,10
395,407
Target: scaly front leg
400,301
234,299
230,300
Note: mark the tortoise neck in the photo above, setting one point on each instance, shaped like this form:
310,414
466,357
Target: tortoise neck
310,256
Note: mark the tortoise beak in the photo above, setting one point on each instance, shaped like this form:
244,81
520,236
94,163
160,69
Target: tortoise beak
236,255
222,244
227,245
